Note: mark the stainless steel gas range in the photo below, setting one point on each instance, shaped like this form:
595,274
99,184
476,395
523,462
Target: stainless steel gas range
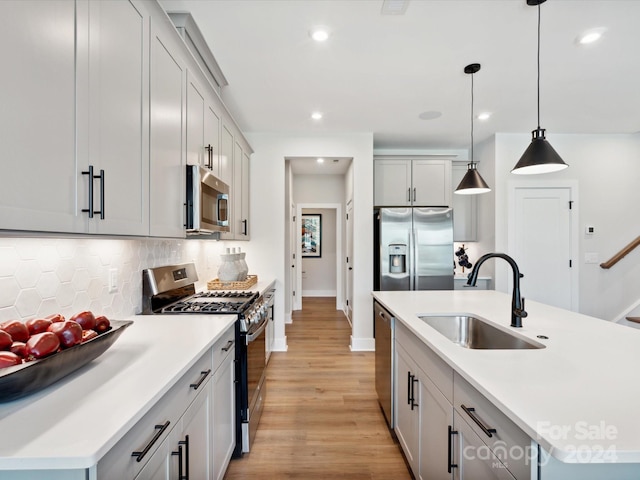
171,290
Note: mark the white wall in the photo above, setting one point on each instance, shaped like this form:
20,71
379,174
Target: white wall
268,240
319,189
319,274
607,169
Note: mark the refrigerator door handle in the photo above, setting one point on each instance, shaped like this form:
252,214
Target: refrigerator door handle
414,254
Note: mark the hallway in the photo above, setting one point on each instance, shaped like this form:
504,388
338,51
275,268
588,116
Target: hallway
321,418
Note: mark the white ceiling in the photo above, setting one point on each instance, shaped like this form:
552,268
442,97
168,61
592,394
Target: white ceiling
377,73
311,166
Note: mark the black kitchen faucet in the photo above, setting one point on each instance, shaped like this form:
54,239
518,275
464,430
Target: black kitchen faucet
517,302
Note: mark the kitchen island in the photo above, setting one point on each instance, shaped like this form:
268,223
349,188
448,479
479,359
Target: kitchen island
64,431
576,398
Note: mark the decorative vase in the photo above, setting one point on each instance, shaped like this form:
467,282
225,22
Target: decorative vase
228,271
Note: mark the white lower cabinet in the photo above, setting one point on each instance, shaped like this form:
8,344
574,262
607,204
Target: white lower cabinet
446,428
191,427
223,408
474,458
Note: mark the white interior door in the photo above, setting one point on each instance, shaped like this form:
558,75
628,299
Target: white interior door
543,233
349,261
296,294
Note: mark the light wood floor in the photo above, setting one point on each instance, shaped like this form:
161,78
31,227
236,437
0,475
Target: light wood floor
321,418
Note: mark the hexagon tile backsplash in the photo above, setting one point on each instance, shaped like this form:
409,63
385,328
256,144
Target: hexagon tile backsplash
40,276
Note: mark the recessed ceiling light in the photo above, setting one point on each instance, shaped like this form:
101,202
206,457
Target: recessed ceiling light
590,36
430,115
394,7
319,34
484,116
316,115
320,160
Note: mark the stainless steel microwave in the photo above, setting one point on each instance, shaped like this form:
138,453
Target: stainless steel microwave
207,202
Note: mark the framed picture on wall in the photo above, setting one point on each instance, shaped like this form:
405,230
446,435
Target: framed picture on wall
312,235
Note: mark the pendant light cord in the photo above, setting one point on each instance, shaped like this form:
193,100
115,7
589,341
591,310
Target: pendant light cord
472,120
538,66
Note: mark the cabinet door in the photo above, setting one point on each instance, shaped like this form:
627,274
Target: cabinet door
117,112
431,183
392,183
226,155
212,138
196,153
197,431
407,408
474,459
464,208
37,130
224,433
244,187
163,464
167,185
436,415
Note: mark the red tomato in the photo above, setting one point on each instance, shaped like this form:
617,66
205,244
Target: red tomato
42,344
55,317
16,329
5,340
37,325
86,320
69,332
88,335
19,348
8,359
102,324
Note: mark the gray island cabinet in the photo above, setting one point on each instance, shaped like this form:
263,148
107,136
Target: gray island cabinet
561,412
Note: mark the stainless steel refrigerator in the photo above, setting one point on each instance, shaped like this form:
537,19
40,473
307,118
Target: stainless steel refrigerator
413,248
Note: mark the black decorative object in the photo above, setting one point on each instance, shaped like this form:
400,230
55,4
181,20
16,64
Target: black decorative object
463,259
472,183
29,377
539,157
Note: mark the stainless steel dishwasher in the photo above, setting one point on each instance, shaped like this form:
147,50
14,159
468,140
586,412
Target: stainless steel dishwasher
383,323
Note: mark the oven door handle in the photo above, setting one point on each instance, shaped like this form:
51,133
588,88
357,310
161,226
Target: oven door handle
257,333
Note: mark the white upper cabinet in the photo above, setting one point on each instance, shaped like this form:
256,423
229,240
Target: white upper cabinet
418,182
167,177
113,93
37,126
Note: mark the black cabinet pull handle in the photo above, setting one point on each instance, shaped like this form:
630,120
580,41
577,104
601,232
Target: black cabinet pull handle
244,227
203,375
414,194
209,150
227,346
101,177
409,388
185,442
469,411
409,195
450,433
160,430
414,380
179,454
90,209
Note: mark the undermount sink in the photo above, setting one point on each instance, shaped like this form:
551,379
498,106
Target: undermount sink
473,332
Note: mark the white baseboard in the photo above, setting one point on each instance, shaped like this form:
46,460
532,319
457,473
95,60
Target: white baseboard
318,293
288,318
280,344
362,344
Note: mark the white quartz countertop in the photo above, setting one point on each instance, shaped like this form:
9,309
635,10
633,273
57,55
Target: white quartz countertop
74,422
578,397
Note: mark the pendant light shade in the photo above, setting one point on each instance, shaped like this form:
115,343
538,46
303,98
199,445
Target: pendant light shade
539,157
472,183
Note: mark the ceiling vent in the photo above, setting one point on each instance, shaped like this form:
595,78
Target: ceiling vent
394,7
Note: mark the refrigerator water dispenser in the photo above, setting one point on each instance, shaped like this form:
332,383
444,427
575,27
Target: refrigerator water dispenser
397,258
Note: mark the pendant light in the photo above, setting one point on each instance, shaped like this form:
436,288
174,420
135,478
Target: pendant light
539,157
472,183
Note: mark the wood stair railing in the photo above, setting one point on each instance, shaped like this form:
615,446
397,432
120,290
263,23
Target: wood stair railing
621,254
